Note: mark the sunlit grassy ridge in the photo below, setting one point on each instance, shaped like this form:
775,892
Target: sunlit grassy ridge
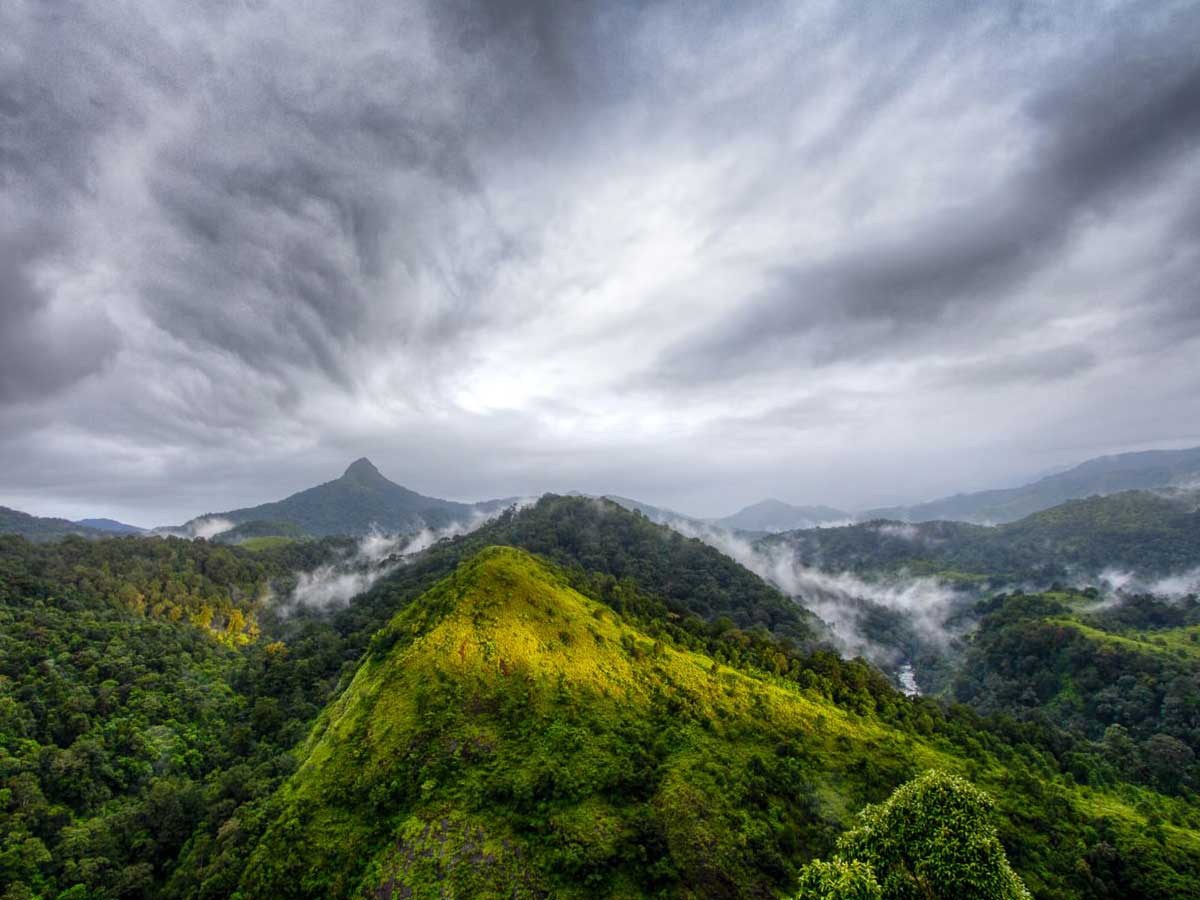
508,736
1180,642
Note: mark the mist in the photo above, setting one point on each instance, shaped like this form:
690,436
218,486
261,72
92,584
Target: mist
207,527
841,599
375,556
1119,583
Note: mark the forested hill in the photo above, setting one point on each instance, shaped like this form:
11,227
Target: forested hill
38,528
1135,530
1125,676
631,560
360,500
509,735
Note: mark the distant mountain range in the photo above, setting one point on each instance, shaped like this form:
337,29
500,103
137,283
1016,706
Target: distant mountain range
1148,470
1132,531
768,516
660,515
775,515
40,528
110,525
361,500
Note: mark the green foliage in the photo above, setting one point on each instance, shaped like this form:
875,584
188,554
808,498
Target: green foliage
121,730
640,718
1128,705
933,840
838,880
598,765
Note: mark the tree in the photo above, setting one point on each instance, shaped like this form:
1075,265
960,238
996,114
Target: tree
838,880
931,840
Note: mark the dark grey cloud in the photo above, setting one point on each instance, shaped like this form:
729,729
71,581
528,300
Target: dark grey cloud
1109,123
1038,367
686,252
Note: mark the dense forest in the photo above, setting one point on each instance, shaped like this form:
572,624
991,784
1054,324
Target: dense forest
1125,678
625,712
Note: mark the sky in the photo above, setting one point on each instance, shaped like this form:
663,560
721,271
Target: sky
694,253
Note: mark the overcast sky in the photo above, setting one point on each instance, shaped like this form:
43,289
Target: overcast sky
692,253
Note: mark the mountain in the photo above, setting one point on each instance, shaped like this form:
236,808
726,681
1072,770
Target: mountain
361,500
508,735
112,526
1147,470
37,528
775,515
503,697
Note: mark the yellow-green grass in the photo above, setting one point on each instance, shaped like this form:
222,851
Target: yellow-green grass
1178,642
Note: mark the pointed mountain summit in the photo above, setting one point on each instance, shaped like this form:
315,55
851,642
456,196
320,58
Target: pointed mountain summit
363,471
361,500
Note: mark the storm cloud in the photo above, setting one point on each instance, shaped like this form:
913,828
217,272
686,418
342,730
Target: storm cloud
693,253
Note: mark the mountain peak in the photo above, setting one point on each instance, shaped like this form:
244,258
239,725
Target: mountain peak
362,469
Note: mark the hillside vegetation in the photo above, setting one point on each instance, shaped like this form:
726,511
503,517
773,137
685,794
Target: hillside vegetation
508,735
1126,678
625,713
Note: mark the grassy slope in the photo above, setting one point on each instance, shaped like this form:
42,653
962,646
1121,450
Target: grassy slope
1182,643
508,736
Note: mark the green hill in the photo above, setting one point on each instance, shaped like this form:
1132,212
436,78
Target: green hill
1124,676
619,555
39,528
509,736
258,531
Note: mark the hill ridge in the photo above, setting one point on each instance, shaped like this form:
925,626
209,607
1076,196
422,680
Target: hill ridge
504,628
